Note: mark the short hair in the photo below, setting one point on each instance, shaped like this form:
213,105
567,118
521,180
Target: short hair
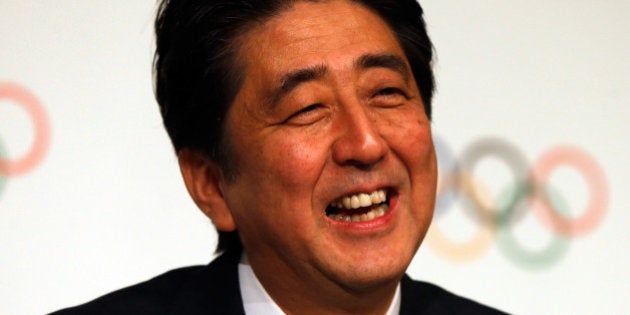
197,76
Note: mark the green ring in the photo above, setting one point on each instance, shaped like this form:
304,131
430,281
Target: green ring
512,248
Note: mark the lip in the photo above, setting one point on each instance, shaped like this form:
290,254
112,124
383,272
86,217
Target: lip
376,225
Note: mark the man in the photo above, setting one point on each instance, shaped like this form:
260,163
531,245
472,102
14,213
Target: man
302,131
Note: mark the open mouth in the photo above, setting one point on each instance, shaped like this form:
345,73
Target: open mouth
359,207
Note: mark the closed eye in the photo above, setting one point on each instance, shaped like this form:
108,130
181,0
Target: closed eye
305,116
389,91
307,109
389,97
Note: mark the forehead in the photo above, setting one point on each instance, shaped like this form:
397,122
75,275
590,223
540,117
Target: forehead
330,33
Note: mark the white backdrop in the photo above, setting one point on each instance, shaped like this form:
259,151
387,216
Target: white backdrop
97,202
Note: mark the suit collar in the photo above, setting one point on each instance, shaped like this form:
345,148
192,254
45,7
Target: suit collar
214,289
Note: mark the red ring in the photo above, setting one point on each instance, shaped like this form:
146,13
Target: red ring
41,142
597,185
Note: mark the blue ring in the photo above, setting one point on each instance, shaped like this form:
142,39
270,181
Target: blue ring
447,166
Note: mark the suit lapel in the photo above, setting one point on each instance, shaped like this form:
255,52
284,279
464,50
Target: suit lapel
414,298
214,290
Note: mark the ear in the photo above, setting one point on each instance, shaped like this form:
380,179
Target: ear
202,177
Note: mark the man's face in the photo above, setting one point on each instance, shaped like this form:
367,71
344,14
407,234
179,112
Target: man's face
329,118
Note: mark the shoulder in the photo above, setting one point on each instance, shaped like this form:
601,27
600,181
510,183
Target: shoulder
186,290
418,297
148,297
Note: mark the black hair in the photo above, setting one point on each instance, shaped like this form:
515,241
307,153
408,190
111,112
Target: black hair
197,75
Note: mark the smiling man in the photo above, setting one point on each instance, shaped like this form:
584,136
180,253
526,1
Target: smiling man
302,131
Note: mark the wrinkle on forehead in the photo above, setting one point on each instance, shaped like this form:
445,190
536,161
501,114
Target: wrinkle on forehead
301,37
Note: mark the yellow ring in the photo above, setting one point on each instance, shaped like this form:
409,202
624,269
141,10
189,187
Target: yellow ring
480,242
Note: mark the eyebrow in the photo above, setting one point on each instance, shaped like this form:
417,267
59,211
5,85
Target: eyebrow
292,79
388,61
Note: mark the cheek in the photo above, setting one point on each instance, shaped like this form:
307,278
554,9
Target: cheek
421,156
296,162
424,167
423,151
412,142
413,145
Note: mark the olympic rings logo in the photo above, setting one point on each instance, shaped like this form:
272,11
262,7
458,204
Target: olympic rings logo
30,104
496,218
530,189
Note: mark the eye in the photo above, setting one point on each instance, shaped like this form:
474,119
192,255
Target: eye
390,96
389,91
306,115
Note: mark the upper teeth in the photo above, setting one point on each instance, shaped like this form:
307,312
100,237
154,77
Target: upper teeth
360,200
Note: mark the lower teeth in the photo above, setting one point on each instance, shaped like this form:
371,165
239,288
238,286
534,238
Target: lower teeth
375,212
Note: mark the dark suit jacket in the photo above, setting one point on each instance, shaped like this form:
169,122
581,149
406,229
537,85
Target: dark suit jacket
214,289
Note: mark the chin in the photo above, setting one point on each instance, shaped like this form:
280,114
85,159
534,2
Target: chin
368,279
368,272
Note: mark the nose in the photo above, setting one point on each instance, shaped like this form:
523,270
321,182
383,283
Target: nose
359,142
